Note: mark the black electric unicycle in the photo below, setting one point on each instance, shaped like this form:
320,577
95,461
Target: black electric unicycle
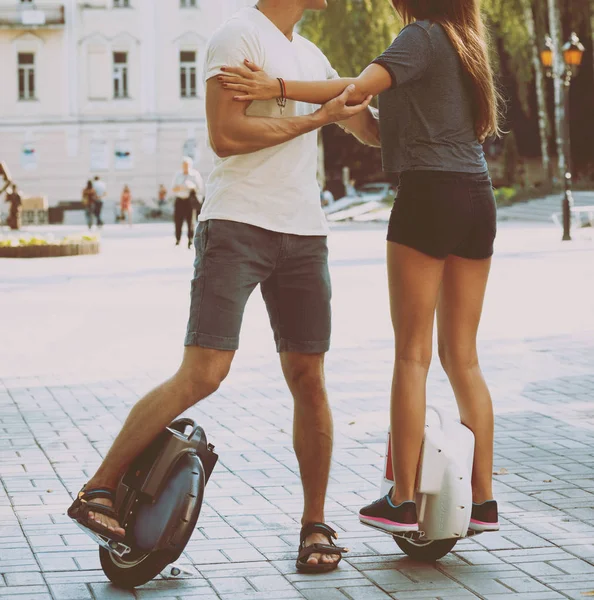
158,502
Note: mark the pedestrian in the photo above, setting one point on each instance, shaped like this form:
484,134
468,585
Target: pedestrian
100,193
261,224
126,205
16,208
438,104
162,196
89,197
187,186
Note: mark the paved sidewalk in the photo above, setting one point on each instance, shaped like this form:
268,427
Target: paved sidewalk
84,337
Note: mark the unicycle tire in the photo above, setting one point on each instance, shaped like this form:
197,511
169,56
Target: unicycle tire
181,498
425,551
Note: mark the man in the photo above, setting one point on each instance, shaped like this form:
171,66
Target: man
187,187
261,223
100,193
16,208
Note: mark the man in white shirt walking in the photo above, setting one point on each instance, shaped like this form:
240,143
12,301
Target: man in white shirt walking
100,193
261,224
188,188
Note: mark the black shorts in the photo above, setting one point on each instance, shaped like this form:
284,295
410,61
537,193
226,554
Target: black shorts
232,259
442,213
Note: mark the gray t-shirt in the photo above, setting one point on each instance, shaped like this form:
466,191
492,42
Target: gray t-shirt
426,117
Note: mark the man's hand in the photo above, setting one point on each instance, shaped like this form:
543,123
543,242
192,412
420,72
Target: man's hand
337,110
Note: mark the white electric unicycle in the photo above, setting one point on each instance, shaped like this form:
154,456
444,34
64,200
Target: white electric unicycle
444,491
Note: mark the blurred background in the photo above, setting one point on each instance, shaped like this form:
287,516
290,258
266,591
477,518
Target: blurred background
114,88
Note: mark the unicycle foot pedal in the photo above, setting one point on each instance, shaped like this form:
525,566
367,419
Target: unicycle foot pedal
112,546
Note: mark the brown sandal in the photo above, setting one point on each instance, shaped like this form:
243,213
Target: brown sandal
306,551
83,505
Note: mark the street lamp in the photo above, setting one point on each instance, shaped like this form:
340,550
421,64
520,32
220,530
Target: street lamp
573,53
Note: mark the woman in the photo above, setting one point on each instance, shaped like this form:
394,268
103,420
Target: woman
126,205
89,198
438,103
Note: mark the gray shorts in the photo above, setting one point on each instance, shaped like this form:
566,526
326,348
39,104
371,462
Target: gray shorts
292,270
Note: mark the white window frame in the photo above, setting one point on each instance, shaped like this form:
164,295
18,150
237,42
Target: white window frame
28,74
121,75
187,69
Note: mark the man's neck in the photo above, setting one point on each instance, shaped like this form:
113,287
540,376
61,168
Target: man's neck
285,15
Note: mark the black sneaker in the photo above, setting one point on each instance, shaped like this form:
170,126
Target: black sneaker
484,517
383,515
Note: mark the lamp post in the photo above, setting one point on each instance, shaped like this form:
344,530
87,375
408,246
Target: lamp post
573,53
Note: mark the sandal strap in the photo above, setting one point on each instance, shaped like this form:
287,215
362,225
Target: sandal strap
94,493
304,553
322,528
108,511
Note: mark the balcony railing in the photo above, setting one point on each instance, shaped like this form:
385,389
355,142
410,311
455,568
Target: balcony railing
31,16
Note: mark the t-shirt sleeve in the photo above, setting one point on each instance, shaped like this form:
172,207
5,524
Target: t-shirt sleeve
331,72
230,46
409,55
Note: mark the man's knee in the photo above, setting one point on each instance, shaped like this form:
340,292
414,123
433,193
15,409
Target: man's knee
304,373
202,372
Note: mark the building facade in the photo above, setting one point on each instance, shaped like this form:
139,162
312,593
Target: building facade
103,87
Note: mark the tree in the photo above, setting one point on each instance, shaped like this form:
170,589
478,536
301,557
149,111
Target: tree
351,33
556,30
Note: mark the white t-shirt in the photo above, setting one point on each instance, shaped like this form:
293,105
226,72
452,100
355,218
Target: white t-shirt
100,188
275,188
192,180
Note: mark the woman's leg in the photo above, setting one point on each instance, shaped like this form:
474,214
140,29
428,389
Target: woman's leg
458,316
414,279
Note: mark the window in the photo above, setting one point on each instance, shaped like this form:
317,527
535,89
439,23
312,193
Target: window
120,75
187,3
26,75
121,3
187,69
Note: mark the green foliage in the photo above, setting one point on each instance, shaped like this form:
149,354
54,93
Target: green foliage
351,33
504,196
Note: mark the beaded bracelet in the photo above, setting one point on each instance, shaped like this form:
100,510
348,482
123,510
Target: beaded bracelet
282,101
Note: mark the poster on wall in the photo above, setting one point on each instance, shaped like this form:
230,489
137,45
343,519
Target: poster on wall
28,157
99,155
123,155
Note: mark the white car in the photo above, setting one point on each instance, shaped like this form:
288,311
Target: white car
370,192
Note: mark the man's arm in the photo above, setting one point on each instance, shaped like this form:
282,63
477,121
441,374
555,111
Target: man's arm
364,126
233,132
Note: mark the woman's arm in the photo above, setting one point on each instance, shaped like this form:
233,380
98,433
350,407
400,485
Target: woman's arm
255,84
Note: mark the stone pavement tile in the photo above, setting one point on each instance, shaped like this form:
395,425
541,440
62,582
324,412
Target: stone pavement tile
324,594
206,557
453,594
231,585
527,596
538,569
523,584
24,578
108,591
478,557
250,569
270,583
55,562
70,591
365,592
25,593
532,555
575,566
96,576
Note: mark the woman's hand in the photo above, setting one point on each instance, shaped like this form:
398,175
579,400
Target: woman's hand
251,82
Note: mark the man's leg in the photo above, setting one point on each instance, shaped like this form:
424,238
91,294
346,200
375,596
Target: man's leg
201,372
190,221
178,219
297,297
312,436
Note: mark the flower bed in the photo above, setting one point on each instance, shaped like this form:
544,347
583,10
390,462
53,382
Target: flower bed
36,247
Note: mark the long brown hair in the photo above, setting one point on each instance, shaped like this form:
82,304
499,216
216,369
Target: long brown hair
463,24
